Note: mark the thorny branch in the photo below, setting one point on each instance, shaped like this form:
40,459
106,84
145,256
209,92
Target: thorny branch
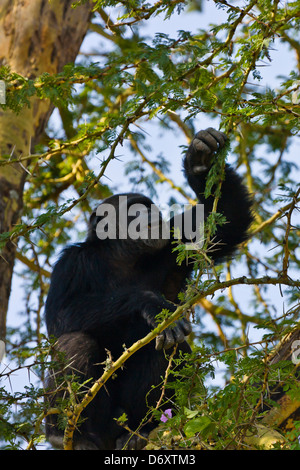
78,408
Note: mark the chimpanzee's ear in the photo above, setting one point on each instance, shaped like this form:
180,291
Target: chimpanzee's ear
93,221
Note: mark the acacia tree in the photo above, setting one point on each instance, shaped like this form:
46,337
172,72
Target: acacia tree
106,104
33,39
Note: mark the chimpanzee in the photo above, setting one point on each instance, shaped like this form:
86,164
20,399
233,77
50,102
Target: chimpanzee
106,292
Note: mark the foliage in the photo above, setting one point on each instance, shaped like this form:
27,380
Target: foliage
110,104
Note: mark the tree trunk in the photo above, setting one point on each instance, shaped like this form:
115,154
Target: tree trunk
287,410
36,36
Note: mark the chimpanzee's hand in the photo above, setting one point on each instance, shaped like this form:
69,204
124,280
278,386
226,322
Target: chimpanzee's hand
153,305
202,149
173,335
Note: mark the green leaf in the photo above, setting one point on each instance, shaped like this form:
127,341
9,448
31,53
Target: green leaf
190,413
202,425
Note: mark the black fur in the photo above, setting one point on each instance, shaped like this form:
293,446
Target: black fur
105,294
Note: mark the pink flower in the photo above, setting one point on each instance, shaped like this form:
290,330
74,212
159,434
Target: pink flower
166,415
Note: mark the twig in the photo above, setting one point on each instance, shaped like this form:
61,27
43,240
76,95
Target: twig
78,408
285,262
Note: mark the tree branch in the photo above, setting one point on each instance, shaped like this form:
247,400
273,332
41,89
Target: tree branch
74,416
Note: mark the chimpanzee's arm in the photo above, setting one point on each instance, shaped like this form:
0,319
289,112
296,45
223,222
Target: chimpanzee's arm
234,203
80,299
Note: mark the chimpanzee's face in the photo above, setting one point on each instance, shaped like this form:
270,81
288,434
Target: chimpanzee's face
130,217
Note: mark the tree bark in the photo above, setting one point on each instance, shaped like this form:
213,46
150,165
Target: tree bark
36,36
288,409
